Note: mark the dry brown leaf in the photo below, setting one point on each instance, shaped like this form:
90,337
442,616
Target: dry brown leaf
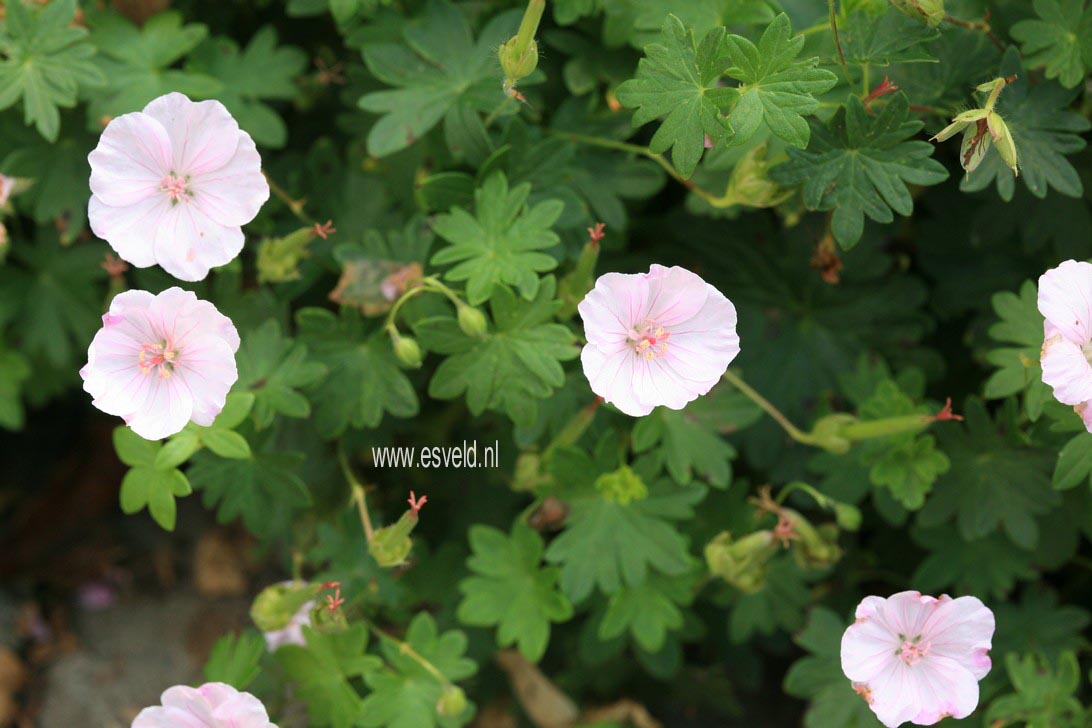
545,704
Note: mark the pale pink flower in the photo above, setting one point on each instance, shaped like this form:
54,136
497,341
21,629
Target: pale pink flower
213,705
291,633
172,185
7,184
161,361
659,338
1065,300
916,658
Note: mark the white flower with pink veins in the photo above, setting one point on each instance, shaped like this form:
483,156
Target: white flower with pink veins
1065,300
161,361
213,705
917,658
661,338
173,184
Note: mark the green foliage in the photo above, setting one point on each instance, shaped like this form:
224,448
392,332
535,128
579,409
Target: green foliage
1018,366
235,659
861,166
1060,40
511,590
500,243
44,62
677,80
1043,697
648,611
147,484
14,370
275,369
325,670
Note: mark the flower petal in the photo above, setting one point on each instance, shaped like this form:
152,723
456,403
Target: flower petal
203,134
1065,299
613,307
868,648
131,159
233,194
961,630
188,243
675,295
1066,370
129,229
611,377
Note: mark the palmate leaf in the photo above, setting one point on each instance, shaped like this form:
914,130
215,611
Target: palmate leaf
44,61
988,566
511,589
889,39
364,380
323,672
678,80
235,659
259,72
775,87
147,484
862,165
1045,696
404,694
516,363
638,22
1018,371
439,73
1060,40
501,242
1045,131
274,368
650,611
137,61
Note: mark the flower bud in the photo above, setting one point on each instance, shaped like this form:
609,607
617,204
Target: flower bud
848,516
472,321
276,605
743,563
575,284
517,64
407,351
622,486
279,258
391,545
452,702
930,11
827,433
814,547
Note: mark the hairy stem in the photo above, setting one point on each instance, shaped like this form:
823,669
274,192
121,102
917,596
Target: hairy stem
792,430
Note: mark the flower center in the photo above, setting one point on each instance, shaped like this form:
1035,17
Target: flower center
159,357
649,341
911,651
176,188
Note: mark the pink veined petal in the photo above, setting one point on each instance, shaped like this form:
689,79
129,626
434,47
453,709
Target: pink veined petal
175,304
1065,300
869,607
944,689
188,243
706,343
613,308
675,295
131,159
893,694
233,194
129,229
206,365
163,407
906,612
158,717
242,710
1066,371
203,134
611,377
190,700
961,630
868,649
657,382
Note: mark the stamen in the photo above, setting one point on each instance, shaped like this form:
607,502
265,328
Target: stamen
161,357
650,340
176,188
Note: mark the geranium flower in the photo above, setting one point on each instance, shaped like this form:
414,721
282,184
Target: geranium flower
1065,300
659,338
172,185
161,361
916,658
292,632
213,705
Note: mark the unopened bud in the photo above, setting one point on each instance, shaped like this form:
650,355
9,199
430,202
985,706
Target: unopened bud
452,702
575,284
622,486
407,351
848,516
276,605
472,321
828,434
742,563
931,12
517,65
391,545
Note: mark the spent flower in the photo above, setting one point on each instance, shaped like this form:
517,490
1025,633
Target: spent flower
173,184
661,338
160,361
980,128
918,658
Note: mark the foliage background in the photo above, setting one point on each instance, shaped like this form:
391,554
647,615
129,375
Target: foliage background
389,119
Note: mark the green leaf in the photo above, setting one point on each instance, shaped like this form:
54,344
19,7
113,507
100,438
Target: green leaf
678,80
891,38
1044,697
609,544
405,694
1057,39
1045,132
775,87
778,605
436,71
511,589
648,611
136,62
984,566
275,368
818,677
134,450
995,481
1074,462
862,165
516,363
262,71
1018,367
324,672
236,659
1038,623
44,61
689,447
263,489
364,379
501,242
14,370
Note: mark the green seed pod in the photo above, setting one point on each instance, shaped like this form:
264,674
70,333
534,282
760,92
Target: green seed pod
408,352
391,545
743,563
516,64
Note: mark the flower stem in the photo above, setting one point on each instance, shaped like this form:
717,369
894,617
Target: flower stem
406,649
837,40
982,25
359,496
792,430
296,206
